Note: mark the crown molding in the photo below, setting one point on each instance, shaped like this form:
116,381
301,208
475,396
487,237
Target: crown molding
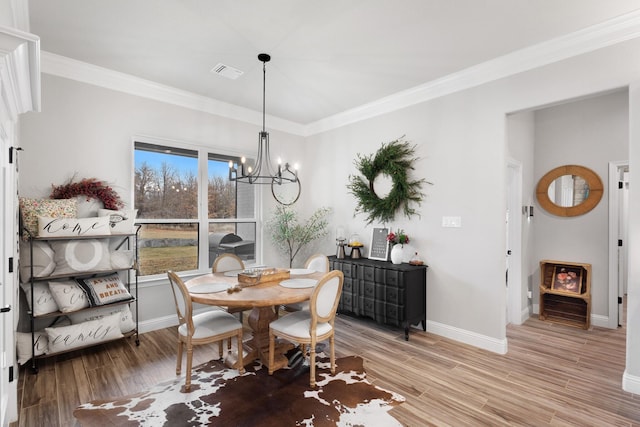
19,74
62,66
607,33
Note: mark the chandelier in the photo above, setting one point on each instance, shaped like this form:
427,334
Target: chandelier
263,172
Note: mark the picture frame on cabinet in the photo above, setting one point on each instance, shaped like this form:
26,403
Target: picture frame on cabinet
567,279
379,247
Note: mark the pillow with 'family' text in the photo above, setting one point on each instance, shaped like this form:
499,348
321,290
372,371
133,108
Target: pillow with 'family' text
127,323
84,334
23,345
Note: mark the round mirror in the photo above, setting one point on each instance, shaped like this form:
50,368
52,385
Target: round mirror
569,190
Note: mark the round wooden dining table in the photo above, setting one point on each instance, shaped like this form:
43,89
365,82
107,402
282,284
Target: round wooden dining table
264,300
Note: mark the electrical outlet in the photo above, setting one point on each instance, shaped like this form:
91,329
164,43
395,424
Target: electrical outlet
452,221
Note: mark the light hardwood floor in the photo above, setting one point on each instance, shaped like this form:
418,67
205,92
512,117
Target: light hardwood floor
551,375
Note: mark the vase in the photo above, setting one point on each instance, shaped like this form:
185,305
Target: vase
396,254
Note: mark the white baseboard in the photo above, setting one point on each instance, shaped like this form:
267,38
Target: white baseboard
631,383
600,321
481,341
162,322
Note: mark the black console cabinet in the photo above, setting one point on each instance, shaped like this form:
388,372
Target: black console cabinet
393,294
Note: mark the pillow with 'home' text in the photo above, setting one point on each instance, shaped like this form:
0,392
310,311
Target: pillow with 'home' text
31,209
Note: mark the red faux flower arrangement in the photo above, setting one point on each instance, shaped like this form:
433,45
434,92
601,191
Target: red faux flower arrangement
398,237
92,188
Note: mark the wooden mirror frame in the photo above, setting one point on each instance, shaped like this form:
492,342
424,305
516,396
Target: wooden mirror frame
596,190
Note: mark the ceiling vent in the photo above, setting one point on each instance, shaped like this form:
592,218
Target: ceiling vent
226,71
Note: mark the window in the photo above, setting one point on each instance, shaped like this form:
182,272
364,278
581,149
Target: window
182,194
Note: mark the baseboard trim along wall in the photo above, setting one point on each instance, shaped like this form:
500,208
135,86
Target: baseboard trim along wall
481,341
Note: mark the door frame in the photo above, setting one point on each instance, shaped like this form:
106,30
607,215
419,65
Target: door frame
514,243
615,168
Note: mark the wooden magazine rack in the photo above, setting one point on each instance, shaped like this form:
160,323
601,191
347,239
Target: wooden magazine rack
565,293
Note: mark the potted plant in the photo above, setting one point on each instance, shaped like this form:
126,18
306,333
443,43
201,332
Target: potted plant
289,236
397,241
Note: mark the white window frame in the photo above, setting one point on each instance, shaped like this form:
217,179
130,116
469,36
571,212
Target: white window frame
203,219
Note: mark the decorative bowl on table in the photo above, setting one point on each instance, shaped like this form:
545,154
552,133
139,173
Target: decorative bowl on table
262,275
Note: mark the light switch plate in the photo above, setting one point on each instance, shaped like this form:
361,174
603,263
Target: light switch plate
452,221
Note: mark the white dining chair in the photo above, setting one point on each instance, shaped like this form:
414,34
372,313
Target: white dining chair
229,262
309,327
316,262
204,328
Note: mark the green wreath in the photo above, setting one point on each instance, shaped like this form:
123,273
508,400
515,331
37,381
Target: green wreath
394,159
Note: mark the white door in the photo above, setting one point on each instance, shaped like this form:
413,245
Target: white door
8,276
6,316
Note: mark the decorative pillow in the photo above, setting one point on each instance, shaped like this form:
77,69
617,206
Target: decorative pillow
31,209
43,263
76,256
43,301
23,345
120,221
121,259
104,290
126,318
84,334
69,227
68,295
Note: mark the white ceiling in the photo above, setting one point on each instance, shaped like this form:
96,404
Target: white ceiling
328,56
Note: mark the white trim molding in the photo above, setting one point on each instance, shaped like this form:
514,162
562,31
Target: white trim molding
467,337
630,383
608,33
19,74
62,66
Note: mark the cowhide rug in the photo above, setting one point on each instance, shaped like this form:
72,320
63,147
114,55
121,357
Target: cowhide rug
221,397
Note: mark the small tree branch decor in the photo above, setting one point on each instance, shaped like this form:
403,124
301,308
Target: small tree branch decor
92,188
394,159
289,236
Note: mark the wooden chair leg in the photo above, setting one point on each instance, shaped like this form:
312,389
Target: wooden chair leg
333,354
272,349
312,363
187,383
179,361
220,349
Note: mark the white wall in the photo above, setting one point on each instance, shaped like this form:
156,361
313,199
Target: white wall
631,378
589,132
